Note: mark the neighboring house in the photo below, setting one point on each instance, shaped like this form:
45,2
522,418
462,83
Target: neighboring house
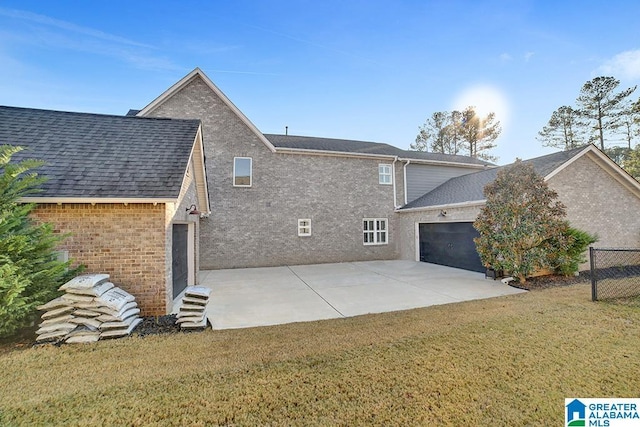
122,187
600,197
279,200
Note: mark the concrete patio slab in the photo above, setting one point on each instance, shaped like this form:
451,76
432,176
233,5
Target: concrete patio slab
251,297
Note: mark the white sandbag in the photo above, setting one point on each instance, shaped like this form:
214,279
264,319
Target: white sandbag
82,339
96,291
57,312
201,292
73,298
123,324
66,327
83,334
88,305
191,300
182,314
115,298
60,319
190,319
51,336
85,281
118,317
113,312
91,323
86,313
53,304
192,307
194,325
115,333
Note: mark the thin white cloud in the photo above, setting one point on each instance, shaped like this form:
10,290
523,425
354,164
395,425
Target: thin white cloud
505,57
528,55
58,34
68,26
625,65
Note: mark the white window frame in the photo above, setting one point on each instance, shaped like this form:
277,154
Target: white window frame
385,176
374,232
304,227
250,171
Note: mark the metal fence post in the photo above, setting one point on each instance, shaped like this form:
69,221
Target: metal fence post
592,262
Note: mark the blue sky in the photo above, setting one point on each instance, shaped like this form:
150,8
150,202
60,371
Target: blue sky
367,70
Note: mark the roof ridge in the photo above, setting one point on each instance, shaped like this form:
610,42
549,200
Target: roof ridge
81,113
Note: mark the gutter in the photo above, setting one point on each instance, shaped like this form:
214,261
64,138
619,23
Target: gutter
445,206
405,180
395,196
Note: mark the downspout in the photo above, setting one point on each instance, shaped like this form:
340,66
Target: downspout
405,180
393,171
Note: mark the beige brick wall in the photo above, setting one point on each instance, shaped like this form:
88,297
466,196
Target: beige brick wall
128,242
596,202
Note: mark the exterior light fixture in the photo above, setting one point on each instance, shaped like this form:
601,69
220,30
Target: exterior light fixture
193,210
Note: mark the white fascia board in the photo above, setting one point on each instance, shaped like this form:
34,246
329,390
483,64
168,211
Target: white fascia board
445,163
94,200
563,166
447,206
184,81
307,151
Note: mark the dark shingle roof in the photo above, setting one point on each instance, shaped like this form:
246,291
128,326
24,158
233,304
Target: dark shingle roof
470,188
101,156
363,147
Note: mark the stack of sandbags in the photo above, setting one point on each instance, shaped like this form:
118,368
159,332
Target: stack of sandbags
193,311
91,308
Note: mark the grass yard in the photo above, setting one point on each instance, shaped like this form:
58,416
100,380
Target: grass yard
505,361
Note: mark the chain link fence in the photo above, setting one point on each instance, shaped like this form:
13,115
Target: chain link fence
615,273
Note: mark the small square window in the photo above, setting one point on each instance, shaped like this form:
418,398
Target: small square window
375,231
304,227
384,174
242,171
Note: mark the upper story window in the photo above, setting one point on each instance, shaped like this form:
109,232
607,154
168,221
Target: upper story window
242,171
384,174
375,231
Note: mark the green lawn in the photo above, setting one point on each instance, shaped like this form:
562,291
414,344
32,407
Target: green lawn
505,361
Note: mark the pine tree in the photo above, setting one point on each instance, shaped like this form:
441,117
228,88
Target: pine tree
30,273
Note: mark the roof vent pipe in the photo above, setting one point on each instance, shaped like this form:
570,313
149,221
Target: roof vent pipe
286,130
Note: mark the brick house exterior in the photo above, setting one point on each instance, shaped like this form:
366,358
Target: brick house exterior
600,198
335,186
122,185
116,186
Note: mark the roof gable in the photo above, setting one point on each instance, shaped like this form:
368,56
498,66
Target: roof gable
197,73
93,156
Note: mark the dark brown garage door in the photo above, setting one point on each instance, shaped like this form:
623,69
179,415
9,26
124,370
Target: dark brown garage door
450,244
180,262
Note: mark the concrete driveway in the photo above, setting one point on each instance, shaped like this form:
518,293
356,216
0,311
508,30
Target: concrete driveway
250,297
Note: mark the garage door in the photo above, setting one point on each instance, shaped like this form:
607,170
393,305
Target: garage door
450,244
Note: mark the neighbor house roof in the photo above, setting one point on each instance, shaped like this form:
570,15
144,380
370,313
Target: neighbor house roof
93,156
470,188
363,147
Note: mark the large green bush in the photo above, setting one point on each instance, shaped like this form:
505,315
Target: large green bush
523,227
30,272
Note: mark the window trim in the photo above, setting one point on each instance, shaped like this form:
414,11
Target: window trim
382,174
302,227
250,172
375,232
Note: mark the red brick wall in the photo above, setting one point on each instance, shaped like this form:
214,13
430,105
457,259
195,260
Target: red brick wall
128,242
